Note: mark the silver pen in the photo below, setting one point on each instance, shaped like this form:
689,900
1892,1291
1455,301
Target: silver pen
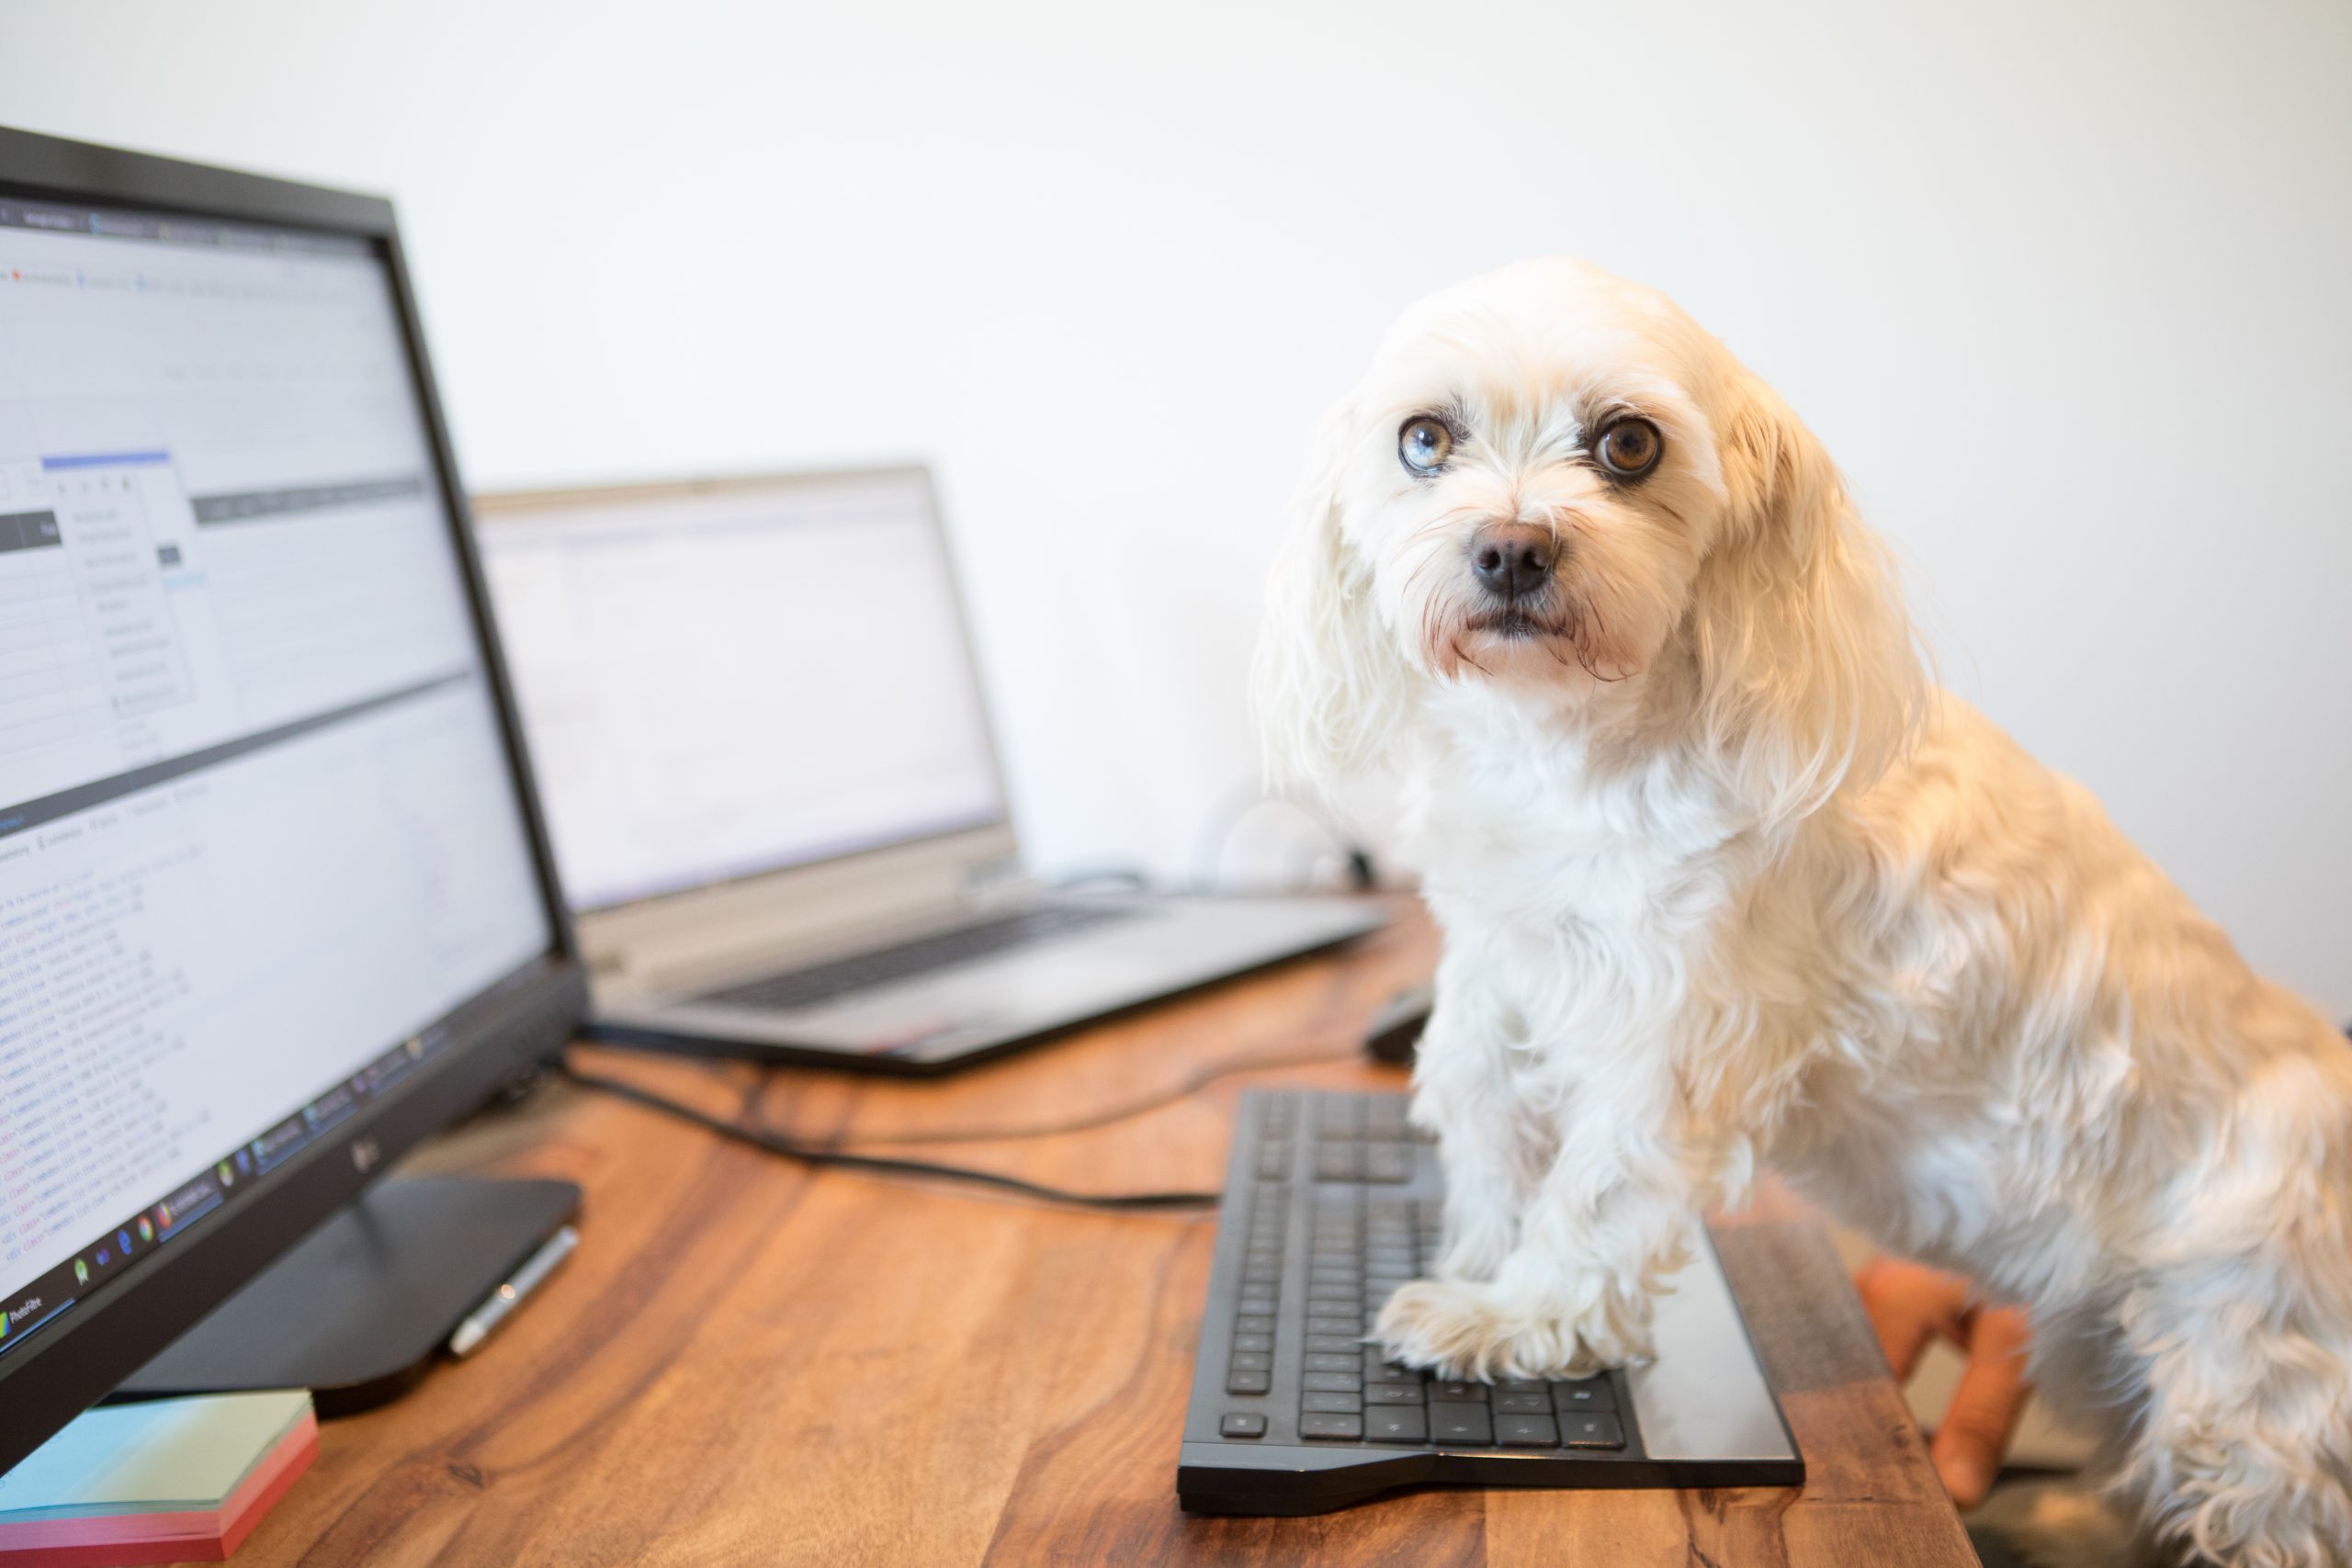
486,1317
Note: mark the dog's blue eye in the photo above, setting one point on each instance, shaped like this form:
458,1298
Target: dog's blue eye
1423,444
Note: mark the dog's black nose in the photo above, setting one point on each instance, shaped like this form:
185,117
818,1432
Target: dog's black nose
1512,560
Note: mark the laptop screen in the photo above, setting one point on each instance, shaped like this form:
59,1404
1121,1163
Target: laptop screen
727,680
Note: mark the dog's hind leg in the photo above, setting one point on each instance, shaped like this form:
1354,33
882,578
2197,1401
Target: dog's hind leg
2244,1456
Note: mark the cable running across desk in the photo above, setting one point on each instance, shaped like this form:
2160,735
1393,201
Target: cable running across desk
882,1164
1190,1084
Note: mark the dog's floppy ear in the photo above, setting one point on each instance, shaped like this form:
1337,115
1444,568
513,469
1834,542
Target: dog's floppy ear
1328,684
1808,677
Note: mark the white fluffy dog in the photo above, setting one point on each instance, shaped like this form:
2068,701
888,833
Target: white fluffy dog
1724,881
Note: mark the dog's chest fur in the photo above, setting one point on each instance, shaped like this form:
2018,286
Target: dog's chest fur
1827,986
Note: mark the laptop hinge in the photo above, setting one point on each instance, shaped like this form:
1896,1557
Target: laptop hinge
996,875
996,883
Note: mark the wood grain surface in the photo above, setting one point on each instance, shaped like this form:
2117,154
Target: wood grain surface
749,1363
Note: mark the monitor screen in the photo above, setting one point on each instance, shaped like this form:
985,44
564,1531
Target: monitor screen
260,832
725,681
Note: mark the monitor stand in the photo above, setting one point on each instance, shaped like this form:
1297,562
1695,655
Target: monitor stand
358,1311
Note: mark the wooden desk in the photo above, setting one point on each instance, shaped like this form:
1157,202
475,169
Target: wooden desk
748,1363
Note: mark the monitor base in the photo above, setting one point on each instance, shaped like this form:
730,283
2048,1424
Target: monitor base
358,1311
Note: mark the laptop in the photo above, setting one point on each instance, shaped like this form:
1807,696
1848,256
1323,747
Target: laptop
773,792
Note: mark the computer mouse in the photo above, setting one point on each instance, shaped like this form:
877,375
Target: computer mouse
1395,1030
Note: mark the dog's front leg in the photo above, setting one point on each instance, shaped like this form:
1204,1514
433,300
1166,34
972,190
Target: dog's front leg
1462,1092
1611,1220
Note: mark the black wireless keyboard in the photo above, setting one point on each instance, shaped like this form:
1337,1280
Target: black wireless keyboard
1331,1202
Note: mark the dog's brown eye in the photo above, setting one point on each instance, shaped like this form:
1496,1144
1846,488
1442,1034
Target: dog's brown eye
1423,444
1631,447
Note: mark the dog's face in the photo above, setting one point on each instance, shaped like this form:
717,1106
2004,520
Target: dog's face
1550,487
1531,476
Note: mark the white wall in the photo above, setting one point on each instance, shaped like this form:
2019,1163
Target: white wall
2064,285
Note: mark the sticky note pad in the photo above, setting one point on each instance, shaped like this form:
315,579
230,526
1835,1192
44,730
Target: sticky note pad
161,1482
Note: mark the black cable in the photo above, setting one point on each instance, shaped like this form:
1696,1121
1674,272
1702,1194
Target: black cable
816,1154
1191,1084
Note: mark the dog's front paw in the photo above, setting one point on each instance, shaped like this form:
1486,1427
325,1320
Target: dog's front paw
1462,1330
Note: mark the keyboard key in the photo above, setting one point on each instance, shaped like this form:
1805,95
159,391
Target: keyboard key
1521,1386
1273,1159
1341,1403
1323,1361
1466,1392
1585,1393
1460,1426
1345,1111
1330,1382
1341,1427
1403,1424
1526,1432
1351,1325
1597,1431
1339,1162
1393,1393
1247,1382
1250,1361
1254,1323
1386,1162
1242,1424
1511,1404
1333,1344
1262,1342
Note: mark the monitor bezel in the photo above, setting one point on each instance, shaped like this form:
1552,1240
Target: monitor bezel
493,1038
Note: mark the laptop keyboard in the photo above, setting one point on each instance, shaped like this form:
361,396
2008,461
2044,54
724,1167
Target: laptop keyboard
809,985
1331,1202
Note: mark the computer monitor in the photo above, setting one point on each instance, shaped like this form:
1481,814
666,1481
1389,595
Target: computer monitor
274,900
724,678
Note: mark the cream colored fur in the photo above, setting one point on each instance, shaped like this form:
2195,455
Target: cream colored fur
1725,881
